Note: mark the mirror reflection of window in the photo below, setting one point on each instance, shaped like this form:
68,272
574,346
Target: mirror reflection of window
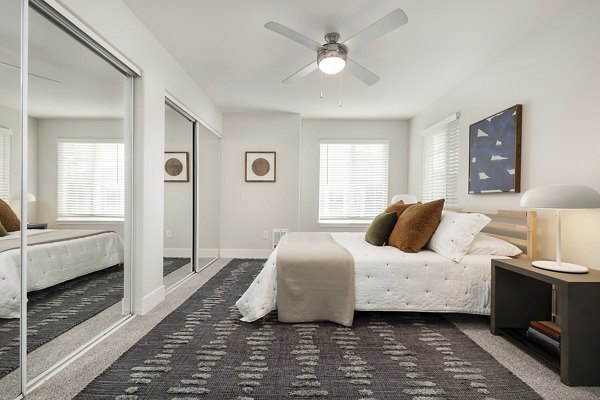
77,177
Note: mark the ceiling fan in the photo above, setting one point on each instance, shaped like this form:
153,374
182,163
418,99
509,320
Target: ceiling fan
332,57
9,65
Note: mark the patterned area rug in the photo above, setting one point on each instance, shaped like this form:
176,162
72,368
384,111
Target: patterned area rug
55,310
203,351
171,264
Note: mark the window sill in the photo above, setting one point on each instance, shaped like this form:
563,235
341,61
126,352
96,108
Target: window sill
88,221
344,224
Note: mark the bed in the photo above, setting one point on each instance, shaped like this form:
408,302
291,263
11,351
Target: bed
55,256
387,279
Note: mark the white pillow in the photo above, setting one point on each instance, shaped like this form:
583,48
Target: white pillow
455,233
488,245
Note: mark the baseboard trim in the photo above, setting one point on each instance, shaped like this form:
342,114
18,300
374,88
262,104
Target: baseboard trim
208,253
245,253
177,252
153,299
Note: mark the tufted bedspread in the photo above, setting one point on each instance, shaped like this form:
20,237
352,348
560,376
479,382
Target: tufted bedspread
55,262
387,279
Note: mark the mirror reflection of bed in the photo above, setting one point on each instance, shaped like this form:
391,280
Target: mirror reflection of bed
76,191
10,180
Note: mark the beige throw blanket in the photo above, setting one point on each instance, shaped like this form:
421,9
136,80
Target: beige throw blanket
315,279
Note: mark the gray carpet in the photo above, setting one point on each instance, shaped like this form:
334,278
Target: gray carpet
56,310
171,264
53,311
202,350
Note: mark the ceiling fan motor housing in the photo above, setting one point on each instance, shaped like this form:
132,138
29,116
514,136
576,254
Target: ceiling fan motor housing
332,48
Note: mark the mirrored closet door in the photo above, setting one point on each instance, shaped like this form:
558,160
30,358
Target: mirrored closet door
208,192
77,192
179,193
191,176
10,185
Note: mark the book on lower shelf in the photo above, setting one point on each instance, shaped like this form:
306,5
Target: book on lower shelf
548,328
546,334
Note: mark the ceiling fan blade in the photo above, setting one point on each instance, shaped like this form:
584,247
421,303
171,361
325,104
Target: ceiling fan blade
292,35
302,73
361,72
32,74
392,21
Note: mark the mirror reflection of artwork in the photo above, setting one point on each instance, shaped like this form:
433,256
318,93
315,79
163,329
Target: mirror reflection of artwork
260,166
495,153
176,166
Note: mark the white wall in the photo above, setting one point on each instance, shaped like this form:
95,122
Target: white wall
554,73
314,130
248,209
11,119
178,195
115,22
47,159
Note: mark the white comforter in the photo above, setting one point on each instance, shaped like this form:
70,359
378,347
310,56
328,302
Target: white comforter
387,279
53,263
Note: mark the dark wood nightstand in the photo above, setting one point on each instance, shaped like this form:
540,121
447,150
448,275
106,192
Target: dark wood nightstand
522,293
37,226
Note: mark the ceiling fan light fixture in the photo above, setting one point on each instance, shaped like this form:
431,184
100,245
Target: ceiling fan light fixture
332,65
331,58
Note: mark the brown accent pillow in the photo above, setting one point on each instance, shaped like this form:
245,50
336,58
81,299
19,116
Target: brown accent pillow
398,207
416,225
8,218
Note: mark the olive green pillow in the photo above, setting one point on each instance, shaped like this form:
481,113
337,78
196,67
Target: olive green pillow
8,218
381,227
416,225
2,231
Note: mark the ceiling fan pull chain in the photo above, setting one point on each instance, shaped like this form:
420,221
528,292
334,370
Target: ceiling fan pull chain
340,89
321,79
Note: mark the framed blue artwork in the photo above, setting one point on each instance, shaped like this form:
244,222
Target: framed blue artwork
495,153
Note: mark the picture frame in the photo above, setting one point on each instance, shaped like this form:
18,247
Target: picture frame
261,166
176,166
495,153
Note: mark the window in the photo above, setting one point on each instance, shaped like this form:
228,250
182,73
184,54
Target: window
440,161
353,182
91,179
5,139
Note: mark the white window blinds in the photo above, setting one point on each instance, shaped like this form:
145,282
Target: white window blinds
91,179
5,143
353,182
440,162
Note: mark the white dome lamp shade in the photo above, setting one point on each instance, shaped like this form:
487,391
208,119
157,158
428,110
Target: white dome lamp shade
332,65
561,197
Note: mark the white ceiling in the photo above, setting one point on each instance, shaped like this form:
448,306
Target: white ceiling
89,87
240,64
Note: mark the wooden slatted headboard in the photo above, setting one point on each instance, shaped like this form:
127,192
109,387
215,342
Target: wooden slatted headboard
516,227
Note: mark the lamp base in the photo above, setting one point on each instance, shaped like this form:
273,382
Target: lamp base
560,267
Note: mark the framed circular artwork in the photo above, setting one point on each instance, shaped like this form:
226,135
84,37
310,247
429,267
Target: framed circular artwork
176,166
260,166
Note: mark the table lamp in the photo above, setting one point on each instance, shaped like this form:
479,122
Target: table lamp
406,198
561,197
